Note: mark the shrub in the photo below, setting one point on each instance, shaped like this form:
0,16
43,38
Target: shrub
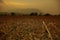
12,13
34,14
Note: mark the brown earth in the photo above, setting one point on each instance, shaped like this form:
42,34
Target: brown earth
29,27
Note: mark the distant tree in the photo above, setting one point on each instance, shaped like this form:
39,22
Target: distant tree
34,14
12,13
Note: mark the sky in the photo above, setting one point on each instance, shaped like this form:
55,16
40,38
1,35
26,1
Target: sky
46,6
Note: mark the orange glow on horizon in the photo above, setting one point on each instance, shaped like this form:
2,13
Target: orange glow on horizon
16,3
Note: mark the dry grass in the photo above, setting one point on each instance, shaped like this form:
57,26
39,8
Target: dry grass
29,28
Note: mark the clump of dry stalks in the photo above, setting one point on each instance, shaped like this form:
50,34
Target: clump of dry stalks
50,36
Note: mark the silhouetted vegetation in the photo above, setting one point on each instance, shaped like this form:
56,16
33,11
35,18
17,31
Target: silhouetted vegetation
22,14
34,14
12,14
3,14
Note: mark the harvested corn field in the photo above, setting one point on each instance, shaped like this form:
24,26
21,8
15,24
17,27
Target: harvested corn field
29,28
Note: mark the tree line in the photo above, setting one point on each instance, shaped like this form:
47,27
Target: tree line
31,14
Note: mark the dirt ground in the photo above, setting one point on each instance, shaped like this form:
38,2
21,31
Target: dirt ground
29,27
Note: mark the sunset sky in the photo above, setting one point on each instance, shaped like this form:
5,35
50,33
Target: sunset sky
50,6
